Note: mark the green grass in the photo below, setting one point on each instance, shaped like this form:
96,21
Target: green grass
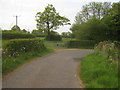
57,44
42,38
54,44
10,64
97,71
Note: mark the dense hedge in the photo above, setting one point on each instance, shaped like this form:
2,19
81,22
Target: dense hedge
40,35
54,37
17,47
81,44
11,35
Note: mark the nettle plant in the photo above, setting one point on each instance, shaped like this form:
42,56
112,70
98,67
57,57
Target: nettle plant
108,49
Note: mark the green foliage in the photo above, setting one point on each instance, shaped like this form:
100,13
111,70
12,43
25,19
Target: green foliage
66,35
17,47
81,44
93,29
98,21
16,28
4,43
11,63
54,44
92,9
49,20
12,31
8,31
97,71
113,22
0,34
57,44
24,31
15,35
38,33
54,37
55,33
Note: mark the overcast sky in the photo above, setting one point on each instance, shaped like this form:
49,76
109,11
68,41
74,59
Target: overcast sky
27,9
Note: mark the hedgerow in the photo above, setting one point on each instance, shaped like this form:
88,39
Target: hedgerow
81,44
53,37
17,47
14,35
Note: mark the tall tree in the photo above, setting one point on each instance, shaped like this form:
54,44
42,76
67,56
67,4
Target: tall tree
99,9
93,22
85,11
49,20
66,34
105,8
113,21
93,9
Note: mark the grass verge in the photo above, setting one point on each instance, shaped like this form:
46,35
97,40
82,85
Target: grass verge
97,71
10,64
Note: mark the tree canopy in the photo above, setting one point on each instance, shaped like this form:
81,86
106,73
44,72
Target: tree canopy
49,20
97,21
93,9
15,28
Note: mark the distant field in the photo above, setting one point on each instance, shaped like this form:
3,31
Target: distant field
57,44
54,44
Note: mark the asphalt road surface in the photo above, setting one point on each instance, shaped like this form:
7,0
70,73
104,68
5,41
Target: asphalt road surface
57,70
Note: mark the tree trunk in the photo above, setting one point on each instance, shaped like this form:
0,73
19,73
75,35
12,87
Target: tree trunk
48,31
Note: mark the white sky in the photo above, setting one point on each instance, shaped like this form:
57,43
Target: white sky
27,9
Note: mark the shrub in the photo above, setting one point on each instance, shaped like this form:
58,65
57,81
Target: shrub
117,43
13,35
109,49
81,44
54,37
16,47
